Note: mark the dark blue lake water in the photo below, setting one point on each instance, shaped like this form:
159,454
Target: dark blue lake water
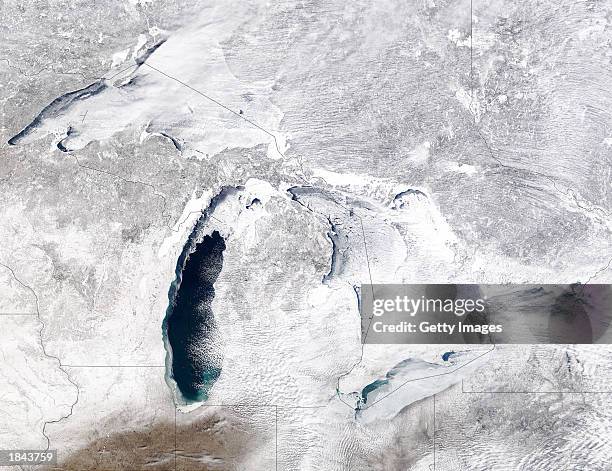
190,323
446,355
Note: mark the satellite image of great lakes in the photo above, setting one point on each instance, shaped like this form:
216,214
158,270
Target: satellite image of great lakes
368,142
